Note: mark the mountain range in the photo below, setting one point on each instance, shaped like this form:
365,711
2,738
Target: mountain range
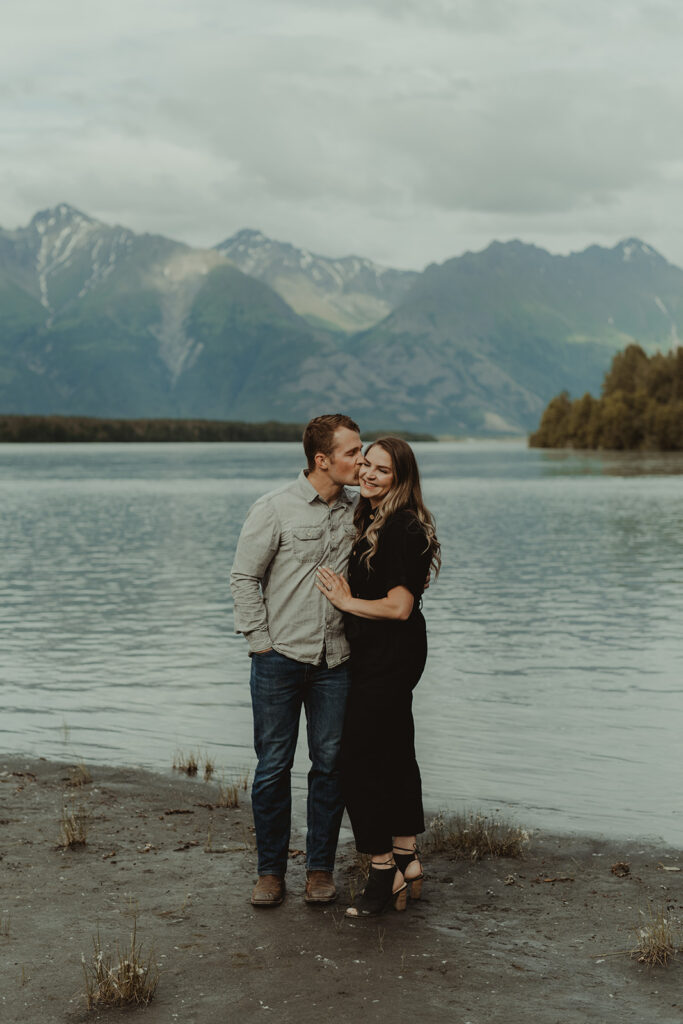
347,294
98,320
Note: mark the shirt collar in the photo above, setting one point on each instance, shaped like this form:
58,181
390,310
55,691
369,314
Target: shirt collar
309,493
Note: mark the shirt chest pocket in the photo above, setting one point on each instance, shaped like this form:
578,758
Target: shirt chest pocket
308,543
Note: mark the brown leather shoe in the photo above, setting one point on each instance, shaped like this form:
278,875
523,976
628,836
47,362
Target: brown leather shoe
269,891
320,887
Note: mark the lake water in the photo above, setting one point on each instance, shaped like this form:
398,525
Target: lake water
554,686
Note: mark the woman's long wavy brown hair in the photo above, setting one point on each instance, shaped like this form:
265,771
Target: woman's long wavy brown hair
406,493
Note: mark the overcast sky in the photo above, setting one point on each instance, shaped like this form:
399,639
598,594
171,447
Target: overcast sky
403,130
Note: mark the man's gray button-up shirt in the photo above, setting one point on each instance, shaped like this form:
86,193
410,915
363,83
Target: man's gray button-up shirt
287,534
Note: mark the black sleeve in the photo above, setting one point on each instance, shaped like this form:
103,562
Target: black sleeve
405,560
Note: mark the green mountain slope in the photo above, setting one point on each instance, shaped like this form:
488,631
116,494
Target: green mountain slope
249,347
153,327
96,320
481,338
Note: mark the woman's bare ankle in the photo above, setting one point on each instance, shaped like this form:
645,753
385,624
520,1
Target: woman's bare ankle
405,844
382,860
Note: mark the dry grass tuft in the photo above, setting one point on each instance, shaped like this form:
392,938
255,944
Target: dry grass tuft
621,869
126,979
360,868
656,938
229,792
190,763
208,845
5,925
80,775
358,872
73,828
187,763
473,836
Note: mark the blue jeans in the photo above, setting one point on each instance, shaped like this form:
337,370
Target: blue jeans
279,686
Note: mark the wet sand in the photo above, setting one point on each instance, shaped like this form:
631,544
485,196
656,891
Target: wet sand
505,940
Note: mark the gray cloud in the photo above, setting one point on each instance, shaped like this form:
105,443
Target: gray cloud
404,130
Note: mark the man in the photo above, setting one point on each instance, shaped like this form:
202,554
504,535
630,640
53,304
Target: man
299,652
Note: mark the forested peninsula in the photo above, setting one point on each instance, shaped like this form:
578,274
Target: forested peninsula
641,408
42,429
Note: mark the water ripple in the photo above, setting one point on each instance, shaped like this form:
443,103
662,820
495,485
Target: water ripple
554,686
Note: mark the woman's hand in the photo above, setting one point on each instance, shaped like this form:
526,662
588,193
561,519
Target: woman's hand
334,587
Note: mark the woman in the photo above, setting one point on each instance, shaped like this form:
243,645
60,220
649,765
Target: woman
395,548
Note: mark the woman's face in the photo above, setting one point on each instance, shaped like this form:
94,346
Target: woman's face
376,475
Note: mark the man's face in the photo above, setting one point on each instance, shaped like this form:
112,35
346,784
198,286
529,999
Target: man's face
346,458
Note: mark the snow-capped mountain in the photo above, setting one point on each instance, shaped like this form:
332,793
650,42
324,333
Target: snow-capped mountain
350,293
69,261
62,253
98,320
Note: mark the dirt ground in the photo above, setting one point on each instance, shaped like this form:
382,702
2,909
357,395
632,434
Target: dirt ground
538,940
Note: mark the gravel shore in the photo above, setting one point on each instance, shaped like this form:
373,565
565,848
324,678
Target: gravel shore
543,939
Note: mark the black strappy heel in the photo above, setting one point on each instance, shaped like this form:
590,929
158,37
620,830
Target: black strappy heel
403,861
379,893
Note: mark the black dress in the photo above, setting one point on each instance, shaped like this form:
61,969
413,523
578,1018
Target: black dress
380,775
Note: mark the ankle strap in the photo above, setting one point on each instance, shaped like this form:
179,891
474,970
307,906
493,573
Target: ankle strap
404,849
382,863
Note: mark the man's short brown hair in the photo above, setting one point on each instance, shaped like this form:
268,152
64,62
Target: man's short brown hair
319,434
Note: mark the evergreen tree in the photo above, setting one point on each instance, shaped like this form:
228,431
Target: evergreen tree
582,423
554,424
641,408
628,371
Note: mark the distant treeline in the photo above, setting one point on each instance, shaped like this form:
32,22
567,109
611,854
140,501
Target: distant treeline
641,408
35,429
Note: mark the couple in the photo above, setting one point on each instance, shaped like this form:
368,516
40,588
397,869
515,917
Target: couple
350,652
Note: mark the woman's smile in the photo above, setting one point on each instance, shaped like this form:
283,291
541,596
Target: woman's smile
376,476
